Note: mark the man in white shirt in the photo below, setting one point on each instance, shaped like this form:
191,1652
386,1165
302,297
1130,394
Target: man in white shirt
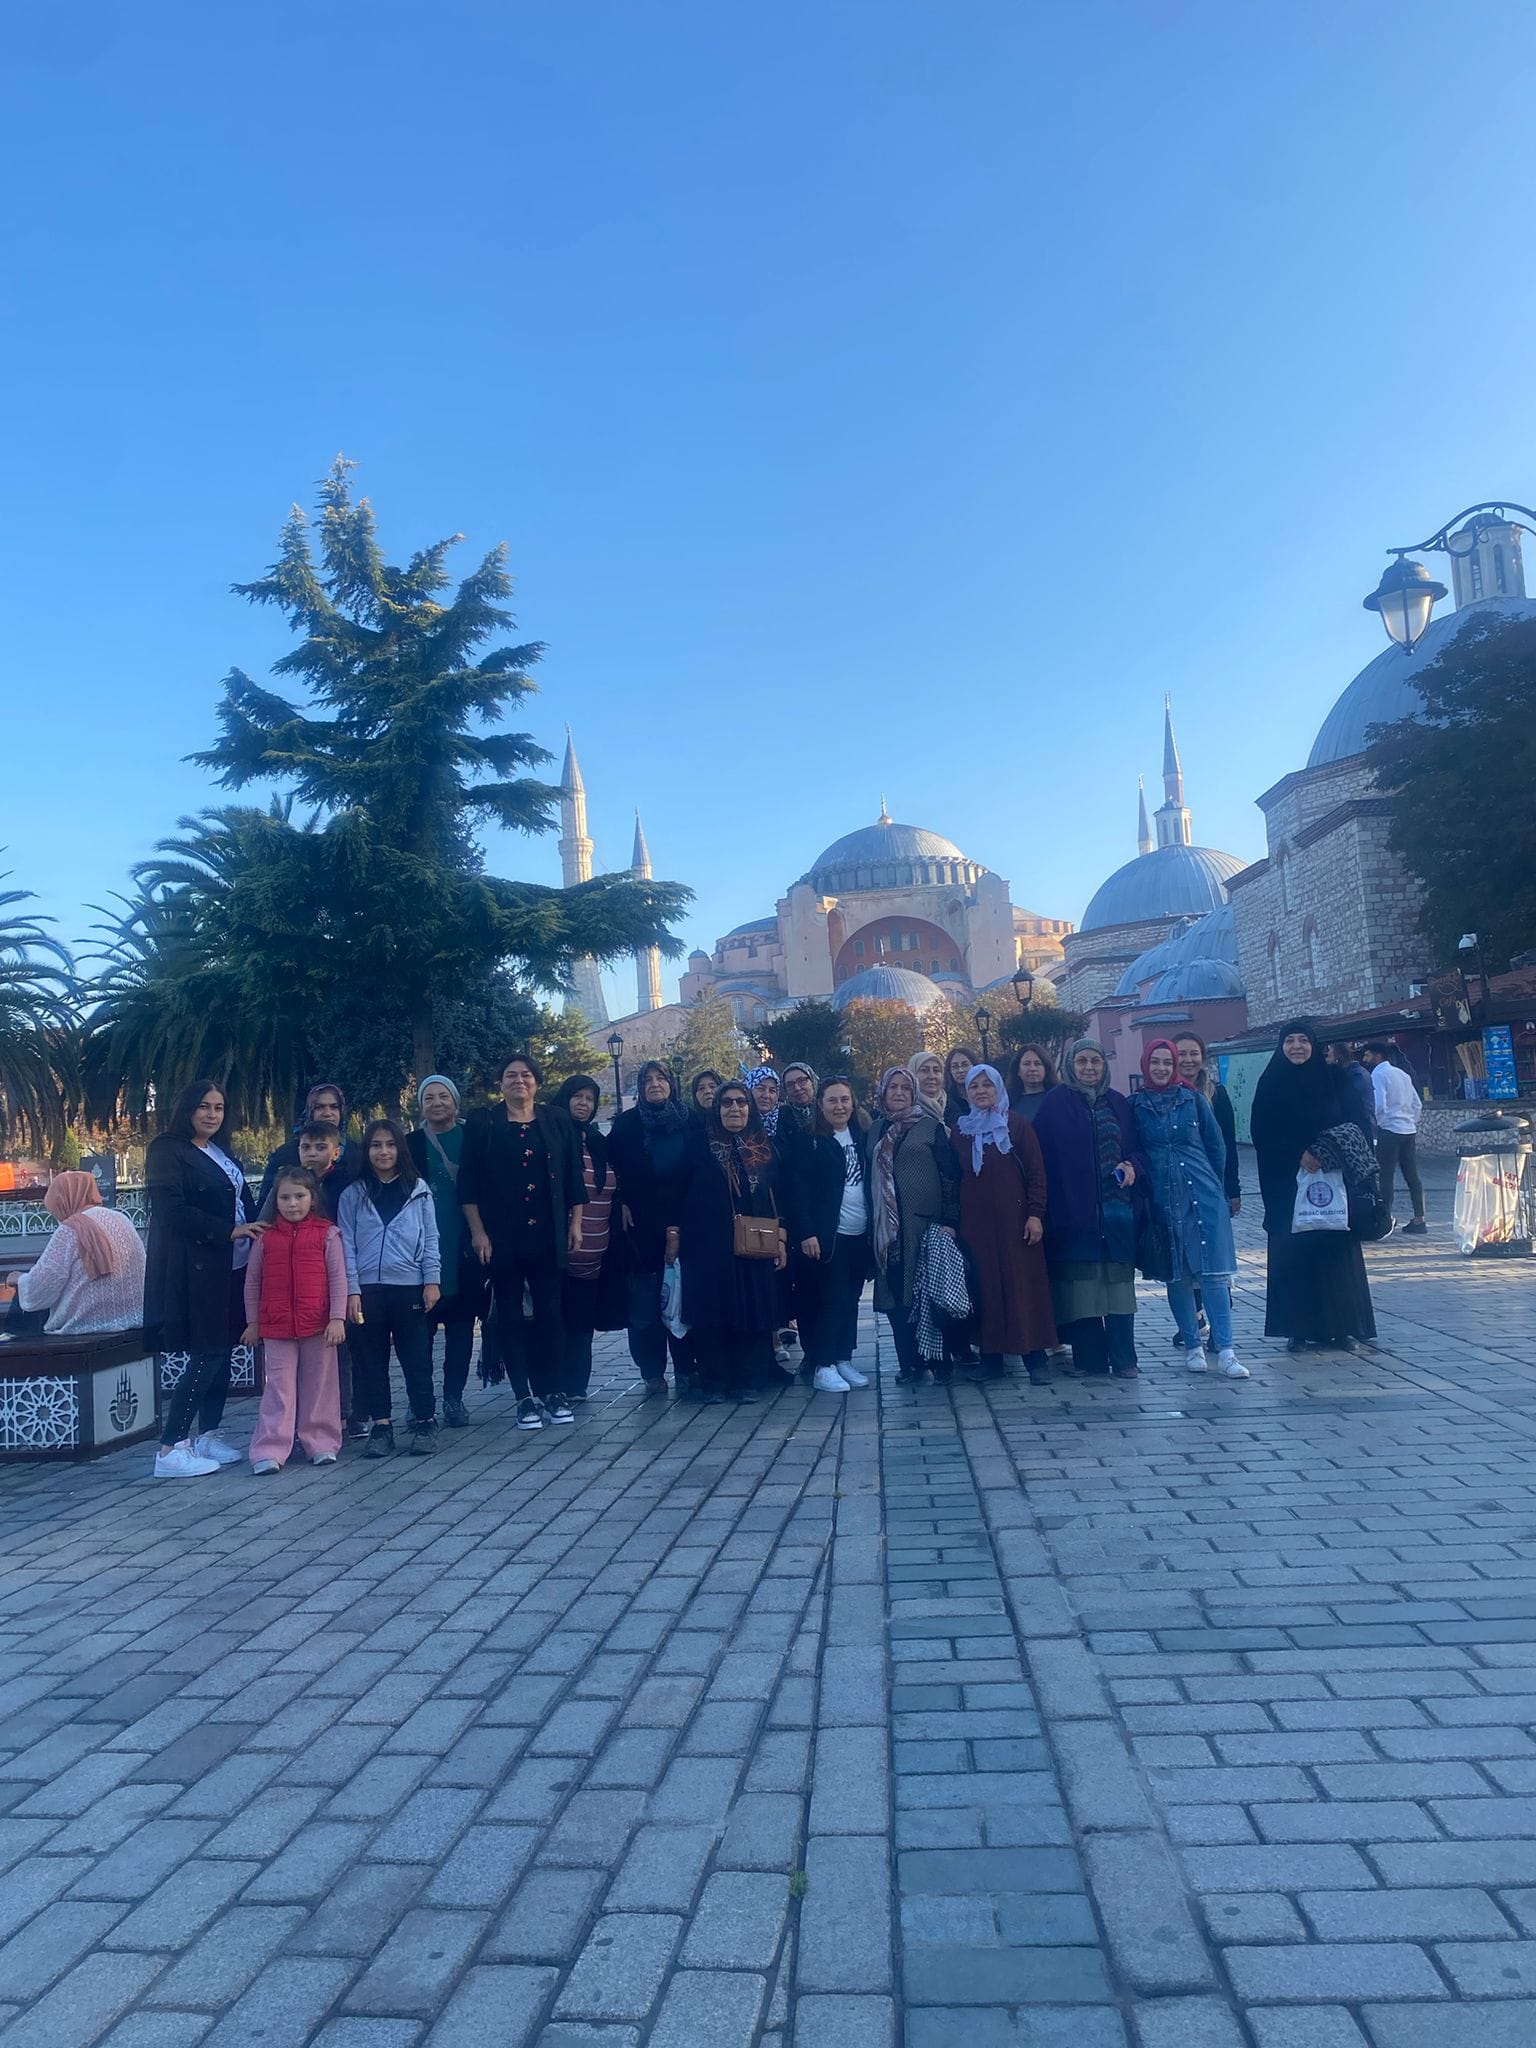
1397,1124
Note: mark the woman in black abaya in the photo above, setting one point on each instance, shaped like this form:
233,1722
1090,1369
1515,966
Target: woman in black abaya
1317,1290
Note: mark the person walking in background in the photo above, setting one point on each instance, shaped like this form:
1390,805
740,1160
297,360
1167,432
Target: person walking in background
1316,1291
829,1232
1031,1076
520,1186
914,1185
956,1067
1398,1109
464,1291
731,1169
1002,1222
927,1071
201,1223
388,1226
593,1295
295,1305
1357,1074
1092,1168
645,1147
1185,1155
90,1276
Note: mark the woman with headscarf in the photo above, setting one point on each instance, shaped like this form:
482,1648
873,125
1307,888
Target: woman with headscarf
645,1147
958,1064
1195,1072
592,1291
1002,1222
731,1169
927,1071
1093,1167
436,1147
326,1103
91,1273
766,1090
1317,1292
702,1090
829,1236
1186,1170
1031,1076
914,1183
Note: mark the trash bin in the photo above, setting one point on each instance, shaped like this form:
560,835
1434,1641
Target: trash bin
1495,1215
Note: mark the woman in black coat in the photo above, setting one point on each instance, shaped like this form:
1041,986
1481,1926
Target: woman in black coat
730,1167
1317,1292
646,1149
201,1222
829,1231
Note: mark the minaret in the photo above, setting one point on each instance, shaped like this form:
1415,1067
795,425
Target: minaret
576,866
648,962
1174,827
1143,829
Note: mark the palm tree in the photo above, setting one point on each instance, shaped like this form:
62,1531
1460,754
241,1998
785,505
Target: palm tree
37,986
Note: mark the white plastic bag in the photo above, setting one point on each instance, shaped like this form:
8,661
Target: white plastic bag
672,1298
1322,1202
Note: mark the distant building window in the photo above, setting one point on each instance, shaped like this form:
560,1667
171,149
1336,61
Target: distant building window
1274,966
858,947
1314,956
913,942
933,966
1475,573
1500,574
954,964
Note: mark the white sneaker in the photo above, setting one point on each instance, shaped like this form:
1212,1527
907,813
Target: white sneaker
323,1458
1229,1368
850,1375
212,1445
830,1381
182,1462
1194,1361
263,1466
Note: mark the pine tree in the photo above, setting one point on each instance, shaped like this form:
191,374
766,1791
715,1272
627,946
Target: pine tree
709,1039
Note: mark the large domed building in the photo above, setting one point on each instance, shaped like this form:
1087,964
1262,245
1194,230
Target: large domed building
888,912
1327,921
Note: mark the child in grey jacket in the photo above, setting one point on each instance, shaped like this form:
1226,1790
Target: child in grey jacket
389,1239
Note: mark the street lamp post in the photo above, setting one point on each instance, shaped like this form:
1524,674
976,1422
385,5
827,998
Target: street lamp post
1407,593
984,1026
1024,987
615,1050
1471,942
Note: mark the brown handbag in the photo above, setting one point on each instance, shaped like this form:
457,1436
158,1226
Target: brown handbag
755,1237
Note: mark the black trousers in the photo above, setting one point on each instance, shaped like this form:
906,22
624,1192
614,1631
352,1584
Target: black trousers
456,1315
1396,1149
730,1360
392,1315
1101,1343
204,1386
537,1370
649,1338
828,1298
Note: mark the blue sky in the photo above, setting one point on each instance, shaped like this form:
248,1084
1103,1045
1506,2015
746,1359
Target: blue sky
875,394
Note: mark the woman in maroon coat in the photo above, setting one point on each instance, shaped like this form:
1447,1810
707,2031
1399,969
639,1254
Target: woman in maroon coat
1002,1221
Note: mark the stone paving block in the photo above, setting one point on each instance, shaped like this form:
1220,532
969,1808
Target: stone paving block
1334,1972
619,1972
695,1788
547,1919
1255,1916
845,1917
1311,2026
181,1905
738,1921
83,2004
1003,1976
417,1966
1510,2024
34,1884
1187,2023
763,1832
1489,1969
360,2033
496,2002
482,1867
213,1972
1102,1786
634,1756
147,2029
1314,1866
1456,1863
374,1792
426,1827
284,2004
1153,1938
1062,2026
357,1915
850,1784
312,1862
857,2022
1346,1820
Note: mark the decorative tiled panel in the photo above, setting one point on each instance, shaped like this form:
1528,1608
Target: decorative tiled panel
39,1415
242,1369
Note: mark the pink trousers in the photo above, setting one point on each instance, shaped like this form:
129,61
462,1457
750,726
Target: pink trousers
301,1399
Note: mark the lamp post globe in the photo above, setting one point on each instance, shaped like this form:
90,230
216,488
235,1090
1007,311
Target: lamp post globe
1404,599
1024,987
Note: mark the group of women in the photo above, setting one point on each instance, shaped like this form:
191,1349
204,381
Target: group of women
715,1228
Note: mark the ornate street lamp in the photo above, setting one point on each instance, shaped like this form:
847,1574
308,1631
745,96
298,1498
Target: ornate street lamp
1407,593
1024,987
984,1026
615,1051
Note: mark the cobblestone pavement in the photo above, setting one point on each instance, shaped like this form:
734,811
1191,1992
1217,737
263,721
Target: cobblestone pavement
1170,1714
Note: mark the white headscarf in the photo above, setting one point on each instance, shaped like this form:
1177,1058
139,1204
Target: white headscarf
986,1127
936,1105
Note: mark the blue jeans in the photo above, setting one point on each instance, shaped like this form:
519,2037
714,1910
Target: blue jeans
1217,1296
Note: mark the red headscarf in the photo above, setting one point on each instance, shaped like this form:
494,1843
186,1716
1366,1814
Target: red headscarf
71,1197
1172,1051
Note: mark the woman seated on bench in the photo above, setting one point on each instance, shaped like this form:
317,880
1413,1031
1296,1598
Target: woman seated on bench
91,1274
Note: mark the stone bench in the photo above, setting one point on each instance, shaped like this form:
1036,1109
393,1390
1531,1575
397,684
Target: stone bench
76,1397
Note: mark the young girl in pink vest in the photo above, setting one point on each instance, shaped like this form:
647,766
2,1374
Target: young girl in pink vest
295,1299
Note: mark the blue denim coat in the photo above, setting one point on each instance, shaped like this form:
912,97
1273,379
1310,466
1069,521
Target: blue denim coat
1186,1159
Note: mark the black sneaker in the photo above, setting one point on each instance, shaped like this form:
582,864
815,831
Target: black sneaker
530,1415
455,1415
1417,1228
656,1386
423,1436
558,1409
1039,1375
359,1428
381,1440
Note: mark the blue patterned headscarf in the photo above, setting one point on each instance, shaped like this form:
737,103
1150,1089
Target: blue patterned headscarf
770,1117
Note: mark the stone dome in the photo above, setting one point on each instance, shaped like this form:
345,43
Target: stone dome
1198,963
1170,881
1386,688
890,855
888,985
